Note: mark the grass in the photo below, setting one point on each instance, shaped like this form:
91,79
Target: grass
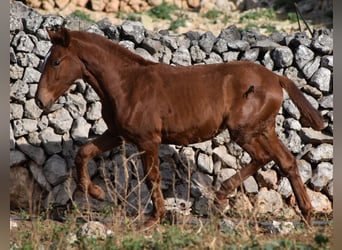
48,234
82,16
188,232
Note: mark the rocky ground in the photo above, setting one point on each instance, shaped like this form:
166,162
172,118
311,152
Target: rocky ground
316,15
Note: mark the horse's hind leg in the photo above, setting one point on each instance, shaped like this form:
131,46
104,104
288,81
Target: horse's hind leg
259,158
288,165
99,145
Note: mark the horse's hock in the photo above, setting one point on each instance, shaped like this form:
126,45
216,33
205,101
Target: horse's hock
46,144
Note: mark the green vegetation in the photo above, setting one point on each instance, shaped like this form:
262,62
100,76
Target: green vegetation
256,14
83,16
191,232
213,14
163,11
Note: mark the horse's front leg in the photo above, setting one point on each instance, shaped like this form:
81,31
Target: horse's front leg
153,179
95,147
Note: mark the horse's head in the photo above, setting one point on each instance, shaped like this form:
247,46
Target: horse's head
60,69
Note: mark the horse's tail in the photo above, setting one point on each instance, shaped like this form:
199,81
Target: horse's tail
309,115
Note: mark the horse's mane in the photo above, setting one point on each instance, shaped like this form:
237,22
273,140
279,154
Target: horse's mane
111,47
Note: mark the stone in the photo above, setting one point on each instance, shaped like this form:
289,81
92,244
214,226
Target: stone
222,138
267,61
230,56
80,130
204,146
145,54
303,55
94,230
319,202
313,91
178,205
231,33
310,68
305,170
293,142
205,163
42,48
327,102
283,228
169,42
321,79
33,138
51,141
323,152
60,120
312,136
33,21
35,153
16,72
250,55
323,43
31,110
139,198
213,58
323,173
284,187
94,111
16,111
220,46
181,57
268,201
31,75
293,124
133,31
24,126
27,60
18,90
327,62
250,185
227,159
75,104
282,57
206,41
291,109
99,127
38,175
151,45
200,184
23,42
55,170
267,178
16,157
239,45
197,55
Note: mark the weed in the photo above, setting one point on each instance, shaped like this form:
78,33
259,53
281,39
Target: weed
163,11
213,14
83,16
292,17
179,22
257,14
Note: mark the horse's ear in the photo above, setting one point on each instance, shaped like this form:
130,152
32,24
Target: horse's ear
61,36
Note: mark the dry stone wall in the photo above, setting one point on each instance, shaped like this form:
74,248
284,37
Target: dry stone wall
45,144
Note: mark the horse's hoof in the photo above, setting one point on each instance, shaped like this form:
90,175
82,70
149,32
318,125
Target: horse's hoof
96,192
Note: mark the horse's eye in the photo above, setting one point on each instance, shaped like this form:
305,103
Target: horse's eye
56,63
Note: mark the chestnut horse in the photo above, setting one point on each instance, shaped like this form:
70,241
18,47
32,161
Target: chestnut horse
148,103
